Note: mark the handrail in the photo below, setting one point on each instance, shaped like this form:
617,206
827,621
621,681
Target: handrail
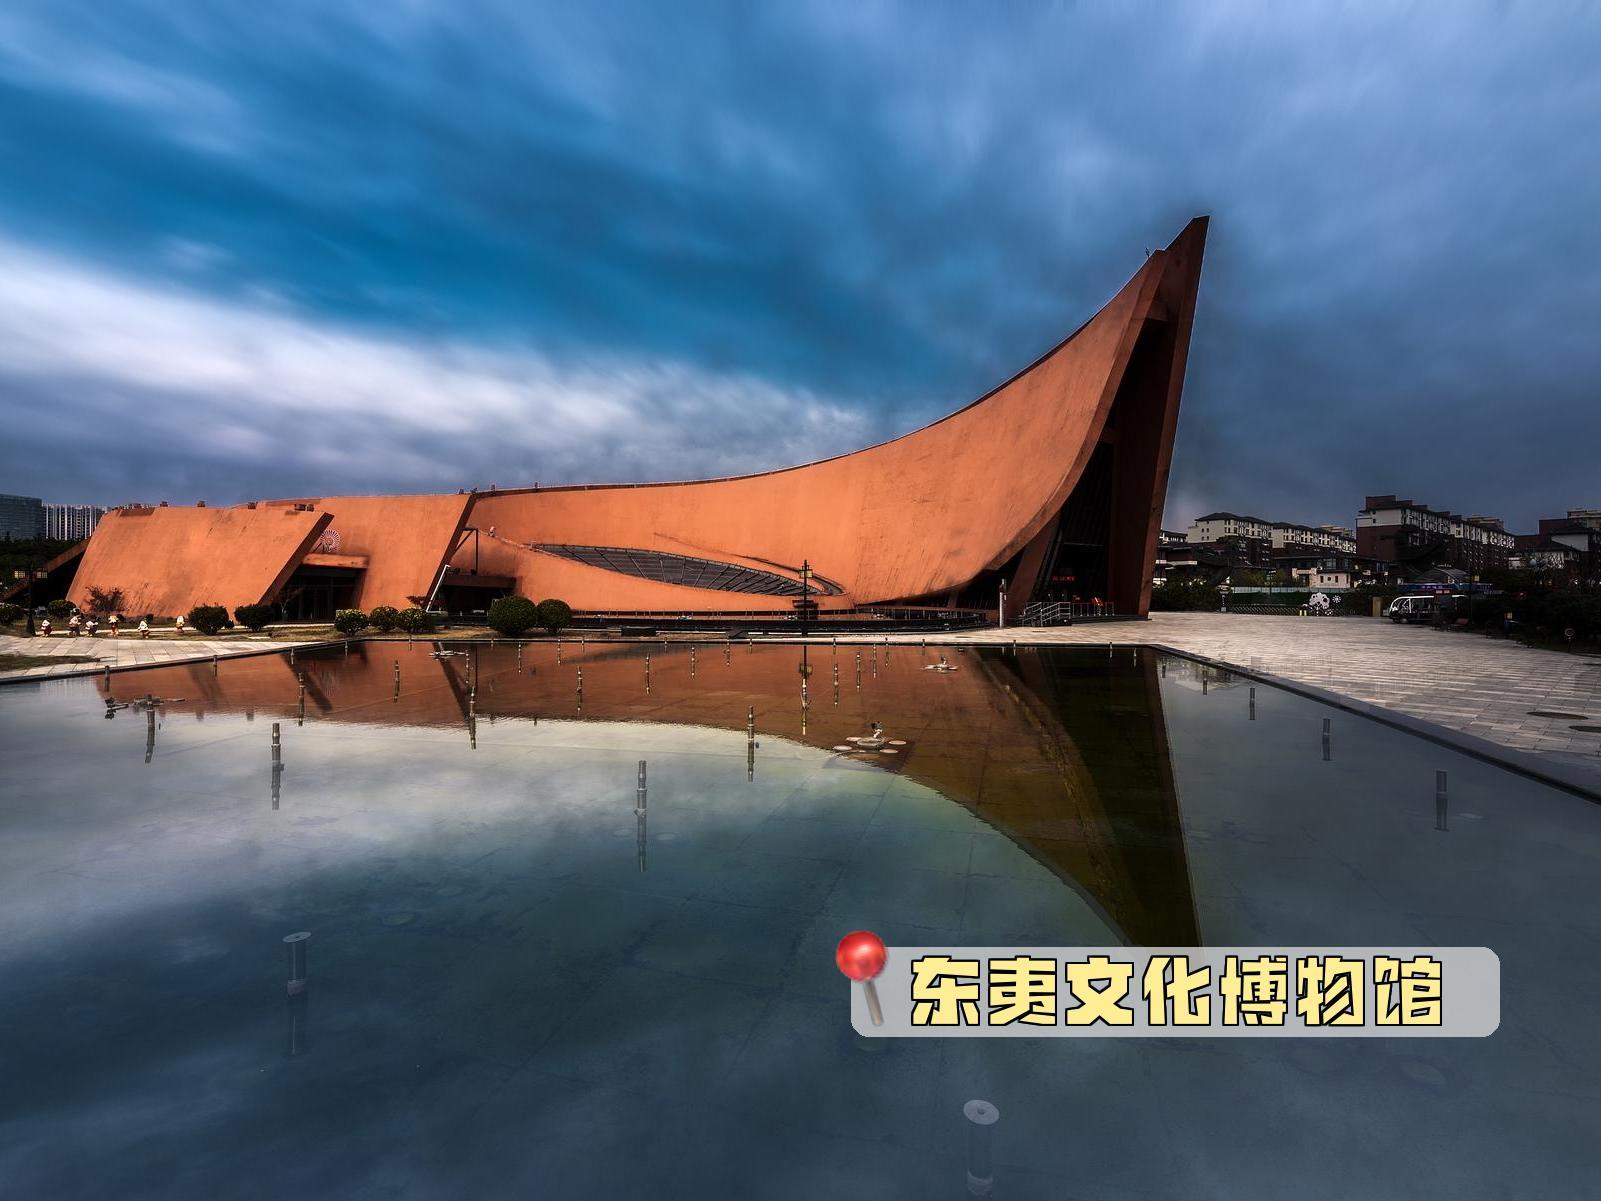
1054,613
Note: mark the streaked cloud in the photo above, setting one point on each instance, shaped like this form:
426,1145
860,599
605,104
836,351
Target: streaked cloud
878,210
234,392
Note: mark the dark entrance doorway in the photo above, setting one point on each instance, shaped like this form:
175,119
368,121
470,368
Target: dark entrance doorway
1075,566
317,593
466,594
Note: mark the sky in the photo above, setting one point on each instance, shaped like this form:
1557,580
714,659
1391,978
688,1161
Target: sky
306,249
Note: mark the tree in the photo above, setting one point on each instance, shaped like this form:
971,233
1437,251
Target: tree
554,615
1184,595
28,554
512,616
102,600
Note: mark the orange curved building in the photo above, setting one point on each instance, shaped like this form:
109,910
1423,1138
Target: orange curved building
1050,485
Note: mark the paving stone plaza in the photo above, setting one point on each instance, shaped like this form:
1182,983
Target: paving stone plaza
1480,686
123,652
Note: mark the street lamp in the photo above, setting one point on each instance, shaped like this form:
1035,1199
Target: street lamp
1002,624
806,594
30,575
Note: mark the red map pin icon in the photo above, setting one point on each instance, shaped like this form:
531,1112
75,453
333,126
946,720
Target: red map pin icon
861,956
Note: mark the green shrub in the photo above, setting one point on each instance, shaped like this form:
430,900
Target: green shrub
1576,611
555,614
384,618
60,609
512,616
1184,596
11,613
208,619
1552,612
255,617
415,621
350,621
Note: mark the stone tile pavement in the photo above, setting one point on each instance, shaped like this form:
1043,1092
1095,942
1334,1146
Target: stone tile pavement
1480,686
123,652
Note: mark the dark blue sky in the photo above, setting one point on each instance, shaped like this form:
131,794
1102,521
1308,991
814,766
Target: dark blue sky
278,249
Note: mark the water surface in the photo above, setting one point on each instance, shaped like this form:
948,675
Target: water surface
517,988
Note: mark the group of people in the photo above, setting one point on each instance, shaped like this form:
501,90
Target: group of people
90,626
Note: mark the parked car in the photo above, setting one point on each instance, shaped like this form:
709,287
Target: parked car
1412,608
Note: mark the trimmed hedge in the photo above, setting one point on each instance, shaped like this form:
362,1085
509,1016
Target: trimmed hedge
1294,610
10,614
350,621
255,617
208,619
60,609
512,616
414,621
383,618
554,615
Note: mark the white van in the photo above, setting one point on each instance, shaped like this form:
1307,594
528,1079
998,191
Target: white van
1412,608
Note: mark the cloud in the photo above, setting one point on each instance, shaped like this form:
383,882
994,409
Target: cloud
295,405
892,207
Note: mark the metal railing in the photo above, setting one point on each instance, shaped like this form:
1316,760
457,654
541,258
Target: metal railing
1061,613
1043,613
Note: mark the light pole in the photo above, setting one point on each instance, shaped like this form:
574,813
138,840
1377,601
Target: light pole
1002,624
806,594
30,575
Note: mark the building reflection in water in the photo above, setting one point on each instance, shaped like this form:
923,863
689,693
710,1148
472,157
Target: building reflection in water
298,990
1065,754
640,816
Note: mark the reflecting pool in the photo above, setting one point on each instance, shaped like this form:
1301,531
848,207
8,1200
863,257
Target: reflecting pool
526,979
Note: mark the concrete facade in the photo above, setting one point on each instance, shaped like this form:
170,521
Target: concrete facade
71,523
21,518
